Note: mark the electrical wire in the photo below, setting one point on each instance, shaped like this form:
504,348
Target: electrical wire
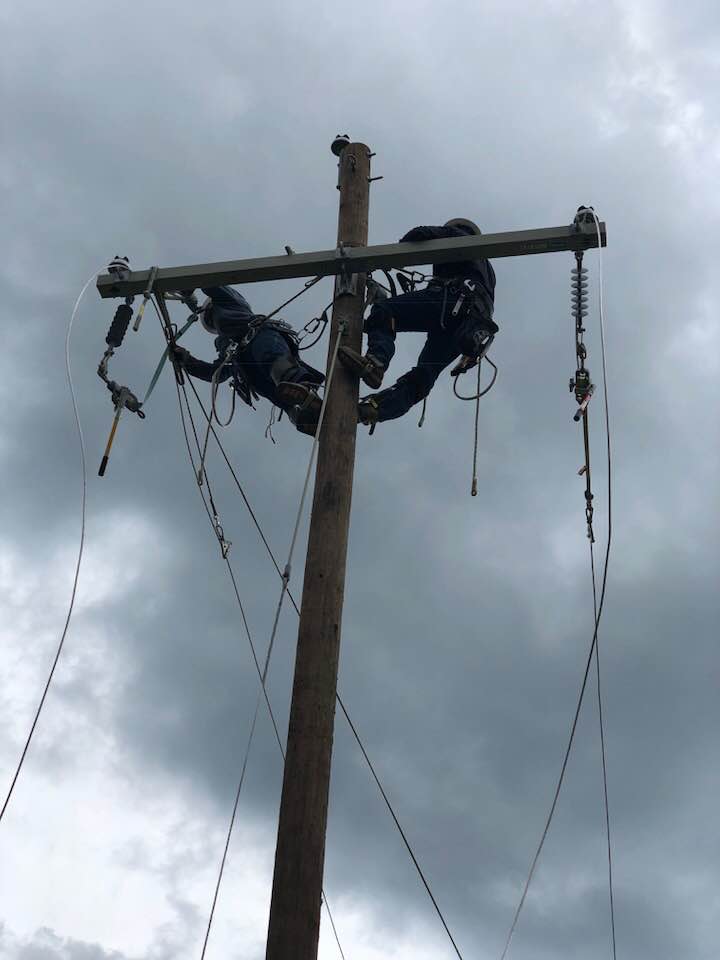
340,702
76,577
401,831
262,673
593,644
592,564
284,575
603,754
339,699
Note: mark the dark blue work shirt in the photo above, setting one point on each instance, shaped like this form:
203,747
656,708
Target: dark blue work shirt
480,269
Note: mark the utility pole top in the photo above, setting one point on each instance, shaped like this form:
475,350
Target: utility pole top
355,259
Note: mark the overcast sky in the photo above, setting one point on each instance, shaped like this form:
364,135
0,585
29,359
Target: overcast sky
179,132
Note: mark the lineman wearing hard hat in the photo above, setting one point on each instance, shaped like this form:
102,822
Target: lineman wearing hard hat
260,355
455,311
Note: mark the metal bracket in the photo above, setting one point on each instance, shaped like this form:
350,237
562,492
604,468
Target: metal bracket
584,221
346,283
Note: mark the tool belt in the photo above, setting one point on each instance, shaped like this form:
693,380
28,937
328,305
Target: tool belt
466,292
468,313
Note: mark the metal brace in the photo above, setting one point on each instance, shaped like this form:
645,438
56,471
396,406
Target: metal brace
584,220
346,283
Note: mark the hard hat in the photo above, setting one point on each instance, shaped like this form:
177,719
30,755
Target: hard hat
464,224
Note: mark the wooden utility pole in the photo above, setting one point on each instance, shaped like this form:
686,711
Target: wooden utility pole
300,855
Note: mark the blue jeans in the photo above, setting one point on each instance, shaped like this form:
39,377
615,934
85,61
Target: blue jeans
268,360
425,311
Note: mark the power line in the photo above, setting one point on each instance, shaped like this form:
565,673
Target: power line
401,831
593,647
76,577
592,559
262,674
604,764
340,702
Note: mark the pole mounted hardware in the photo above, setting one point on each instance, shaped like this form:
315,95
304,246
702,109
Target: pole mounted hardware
339,143
346,283
581,384
122,397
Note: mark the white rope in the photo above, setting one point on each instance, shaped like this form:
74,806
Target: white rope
262,693
599,612
83,463
316,439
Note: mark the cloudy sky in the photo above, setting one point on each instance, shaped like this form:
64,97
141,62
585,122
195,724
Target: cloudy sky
179,132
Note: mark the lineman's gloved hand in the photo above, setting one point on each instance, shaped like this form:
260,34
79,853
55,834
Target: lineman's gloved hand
179,355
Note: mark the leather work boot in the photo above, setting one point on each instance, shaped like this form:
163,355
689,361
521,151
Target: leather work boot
368,412
302,403
370,370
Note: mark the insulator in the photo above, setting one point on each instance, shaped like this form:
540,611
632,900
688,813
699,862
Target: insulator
118,328
583,271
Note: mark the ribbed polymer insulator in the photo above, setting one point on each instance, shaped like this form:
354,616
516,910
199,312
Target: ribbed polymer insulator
579,293
118,328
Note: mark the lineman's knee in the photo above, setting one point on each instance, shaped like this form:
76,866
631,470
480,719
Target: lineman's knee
283,368
420,381
380,318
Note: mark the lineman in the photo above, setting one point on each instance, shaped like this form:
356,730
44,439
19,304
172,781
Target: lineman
455,310
260,355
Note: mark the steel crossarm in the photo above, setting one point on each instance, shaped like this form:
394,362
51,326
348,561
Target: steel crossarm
351,260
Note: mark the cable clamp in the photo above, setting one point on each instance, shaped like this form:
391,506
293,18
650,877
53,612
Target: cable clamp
220,534
124,399
346,282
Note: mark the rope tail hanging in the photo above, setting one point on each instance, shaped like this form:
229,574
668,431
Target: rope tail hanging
473,486
465,364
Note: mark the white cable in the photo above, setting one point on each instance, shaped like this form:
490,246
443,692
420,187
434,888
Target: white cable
600,607
298,519
80,550
262,674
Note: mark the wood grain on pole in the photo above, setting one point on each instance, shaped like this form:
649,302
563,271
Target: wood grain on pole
299,858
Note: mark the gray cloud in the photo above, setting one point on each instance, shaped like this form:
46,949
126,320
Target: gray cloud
467,622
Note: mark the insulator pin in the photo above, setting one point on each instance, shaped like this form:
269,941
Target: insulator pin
119,326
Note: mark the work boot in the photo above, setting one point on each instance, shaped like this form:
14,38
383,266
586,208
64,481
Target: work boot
368,413
302,403
370,370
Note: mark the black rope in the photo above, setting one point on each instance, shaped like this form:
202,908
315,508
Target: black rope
340,702
400,830
480,393
604,764
598,610
213,516
307,286
561,778
337,694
